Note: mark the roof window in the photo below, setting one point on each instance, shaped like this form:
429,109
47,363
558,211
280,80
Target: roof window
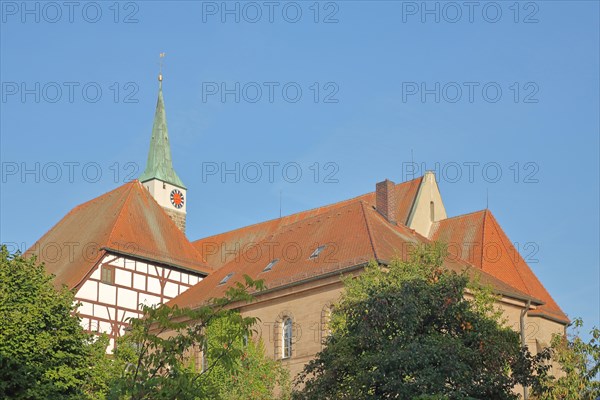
271,265
226,278
316,253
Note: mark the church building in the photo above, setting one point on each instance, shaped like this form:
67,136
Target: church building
131,249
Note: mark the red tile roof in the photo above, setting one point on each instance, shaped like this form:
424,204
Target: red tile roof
353,233
126,221
479,239
219,249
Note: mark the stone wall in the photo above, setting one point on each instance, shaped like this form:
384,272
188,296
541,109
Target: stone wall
308,305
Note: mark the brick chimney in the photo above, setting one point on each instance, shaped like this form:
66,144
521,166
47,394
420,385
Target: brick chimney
386,200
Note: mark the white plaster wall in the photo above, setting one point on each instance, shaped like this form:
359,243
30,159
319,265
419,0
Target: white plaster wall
89,291
420,220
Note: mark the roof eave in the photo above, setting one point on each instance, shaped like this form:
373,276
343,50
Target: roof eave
541,314
155,260
355,267
512,295
144,179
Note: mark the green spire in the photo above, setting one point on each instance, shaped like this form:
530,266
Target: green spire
160,165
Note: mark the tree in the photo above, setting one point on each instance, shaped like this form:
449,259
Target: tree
579,364
255,376
156,357
46,354
44,351
408,332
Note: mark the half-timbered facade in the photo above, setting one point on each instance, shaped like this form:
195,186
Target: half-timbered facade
118,287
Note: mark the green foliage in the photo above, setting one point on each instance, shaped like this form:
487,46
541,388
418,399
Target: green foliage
255,376
407,331
46,354
156,356
44,351
484,300
103,369
579,363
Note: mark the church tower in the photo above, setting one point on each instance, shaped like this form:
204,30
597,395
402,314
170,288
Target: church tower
160,177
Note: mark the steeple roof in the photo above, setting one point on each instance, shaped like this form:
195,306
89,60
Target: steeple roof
160,164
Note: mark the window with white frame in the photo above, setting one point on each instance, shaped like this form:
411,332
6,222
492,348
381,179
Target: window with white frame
202,358
326,321
286,338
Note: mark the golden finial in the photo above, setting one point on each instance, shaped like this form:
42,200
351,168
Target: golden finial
160,63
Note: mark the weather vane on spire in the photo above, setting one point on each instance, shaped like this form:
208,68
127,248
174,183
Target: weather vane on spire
160,65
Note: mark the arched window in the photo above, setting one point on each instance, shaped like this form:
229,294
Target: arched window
201,358
286,338
431,211
204,358
326,322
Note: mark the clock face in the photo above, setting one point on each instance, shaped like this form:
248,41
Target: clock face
177,198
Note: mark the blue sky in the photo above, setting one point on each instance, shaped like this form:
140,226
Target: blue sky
499,88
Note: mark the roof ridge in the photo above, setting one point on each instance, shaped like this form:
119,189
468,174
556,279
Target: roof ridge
497,227
283,217
465,215
96,199
118,216
137,185
369,233
482,237
337,203
312,217
72,211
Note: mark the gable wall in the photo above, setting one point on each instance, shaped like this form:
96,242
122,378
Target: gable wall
420,220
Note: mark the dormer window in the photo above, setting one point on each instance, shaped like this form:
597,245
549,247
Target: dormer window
271,265
316,253
226,278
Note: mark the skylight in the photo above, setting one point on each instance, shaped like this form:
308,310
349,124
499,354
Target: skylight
271,265
317,251
226,278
